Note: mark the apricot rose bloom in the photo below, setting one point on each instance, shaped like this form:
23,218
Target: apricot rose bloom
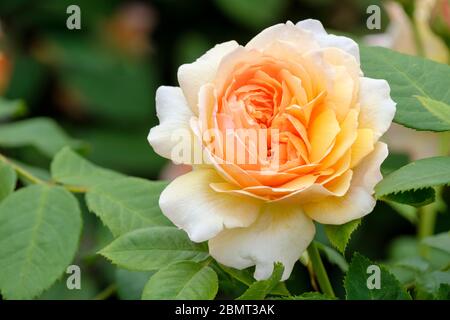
321,120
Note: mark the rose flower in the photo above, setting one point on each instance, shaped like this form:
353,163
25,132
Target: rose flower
295,102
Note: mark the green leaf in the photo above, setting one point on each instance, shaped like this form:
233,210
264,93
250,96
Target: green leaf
260,289
444,292
70,168
418,85
38,172
339,235
357,278
440,241
59,290
407,247
8,180
416,198
42,133
245,276
39,231
407,269
130,284
153,248
393,162
420,174
310,296
127,204
333,256
184,280
11,108
439,109
429,284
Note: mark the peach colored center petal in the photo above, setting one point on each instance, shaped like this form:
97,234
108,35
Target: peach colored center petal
283,121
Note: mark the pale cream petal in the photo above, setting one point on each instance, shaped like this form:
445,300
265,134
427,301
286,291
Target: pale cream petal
174,128
192,76
192,205
280,234
301,40
329,40
377,107
359,200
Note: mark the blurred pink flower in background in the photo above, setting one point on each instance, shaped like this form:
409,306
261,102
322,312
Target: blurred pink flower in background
401,36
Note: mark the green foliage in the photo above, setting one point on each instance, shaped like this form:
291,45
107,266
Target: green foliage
153,248
107,145
184,280
8,180
356,282
444,292
438,109
261,15
104,81
70,168
39,231
339,235
432,285
102,92
440,241
415,198
310,296
418,85
333,256
127,204
130,284
260,289
406,211
49,140
11,108
402,185
246,277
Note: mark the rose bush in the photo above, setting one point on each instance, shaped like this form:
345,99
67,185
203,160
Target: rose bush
307,86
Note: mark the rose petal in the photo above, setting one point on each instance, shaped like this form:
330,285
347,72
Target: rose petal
192,205
377,107
174,115
280,234
192,76
359,200
284,32
329,40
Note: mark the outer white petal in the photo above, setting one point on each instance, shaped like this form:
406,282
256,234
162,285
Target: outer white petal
193,206
301,40
377,107
192,76
174,116
329,40
359,200
281,234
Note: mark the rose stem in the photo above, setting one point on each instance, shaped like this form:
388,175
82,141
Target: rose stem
427,214
22,172
320,271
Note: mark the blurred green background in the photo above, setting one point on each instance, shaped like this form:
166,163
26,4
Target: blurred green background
99,84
